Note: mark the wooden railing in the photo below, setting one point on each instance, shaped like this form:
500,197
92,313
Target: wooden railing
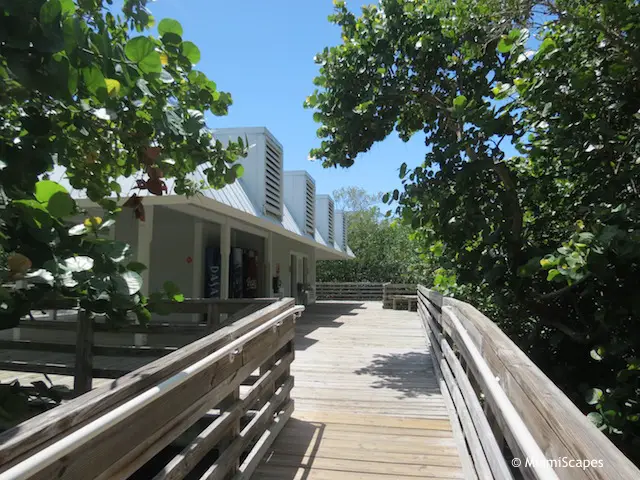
391,290
80,355
115,430
348,291
507,408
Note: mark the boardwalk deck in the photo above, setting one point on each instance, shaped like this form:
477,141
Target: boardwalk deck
368,402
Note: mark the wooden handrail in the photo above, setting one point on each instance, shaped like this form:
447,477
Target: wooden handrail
523,406
348,291
114,430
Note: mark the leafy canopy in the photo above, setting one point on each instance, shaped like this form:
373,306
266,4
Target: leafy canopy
385,250
528,194
87,88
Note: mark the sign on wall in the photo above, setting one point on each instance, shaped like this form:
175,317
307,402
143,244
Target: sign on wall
212,282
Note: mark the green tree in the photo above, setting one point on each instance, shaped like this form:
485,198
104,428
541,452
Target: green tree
355,199
545,240
91,90
384,248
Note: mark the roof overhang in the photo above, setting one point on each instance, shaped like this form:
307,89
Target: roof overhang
202,207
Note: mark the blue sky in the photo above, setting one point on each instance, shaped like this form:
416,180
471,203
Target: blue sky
261,51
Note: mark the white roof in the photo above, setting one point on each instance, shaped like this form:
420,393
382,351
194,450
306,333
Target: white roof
233,195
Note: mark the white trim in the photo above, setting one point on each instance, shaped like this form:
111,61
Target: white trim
268,255
210,205
206,215
197,263
225,251
246,228
298,253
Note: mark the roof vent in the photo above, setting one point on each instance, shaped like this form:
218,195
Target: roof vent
324,218
262,178
310,207
341,228
273,179
331,223
299,195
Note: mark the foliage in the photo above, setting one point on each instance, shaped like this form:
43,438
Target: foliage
89,90
355,199
384,249
528,194
18,403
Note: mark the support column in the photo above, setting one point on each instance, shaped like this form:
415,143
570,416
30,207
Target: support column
145,235
312,275
268,262
197,264
225,251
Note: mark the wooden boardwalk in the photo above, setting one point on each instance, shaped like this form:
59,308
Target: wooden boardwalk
368,402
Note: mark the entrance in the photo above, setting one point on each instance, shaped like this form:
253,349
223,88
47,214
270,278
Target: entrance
299,277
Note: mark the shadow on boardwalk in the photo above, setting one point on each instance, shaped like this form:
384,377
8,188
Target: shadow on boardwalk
410,373
323,315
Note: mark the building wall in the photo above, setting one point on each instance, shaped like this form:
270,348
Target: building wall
126,229
282,250
174,241
171,245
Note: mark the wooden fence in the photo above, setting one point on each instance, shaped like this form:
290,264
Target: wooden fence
391,290
115,430
349,291
507,407
78,358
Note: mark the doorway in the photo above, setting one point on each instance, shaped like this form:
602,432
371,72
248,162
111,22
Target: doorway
299,267
294,276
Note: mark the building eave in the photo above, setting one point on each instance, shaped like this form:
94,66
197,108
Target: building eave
208,204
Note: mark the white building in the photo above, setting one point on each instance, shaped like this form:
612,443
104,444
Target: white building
268,228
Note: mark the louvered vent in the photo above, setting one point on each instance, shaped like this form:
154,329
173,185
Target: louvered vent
273,180
344,230
331,236
310,210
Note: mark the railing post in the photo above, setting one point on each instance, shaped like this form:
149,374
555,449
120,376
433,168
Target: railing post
495,427
213,317
83,377
232,432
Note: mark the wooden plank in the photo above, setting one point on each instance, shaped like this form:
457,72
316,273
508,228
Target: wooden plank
456,427
152,327
37,367
349,291
524,444
98,350
480,462
306,456
213,317
375,465
83,378
183,463
310,473
366,389
68,417
262,445
123,448
375,420
557,425
492,451
36,346
225,464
